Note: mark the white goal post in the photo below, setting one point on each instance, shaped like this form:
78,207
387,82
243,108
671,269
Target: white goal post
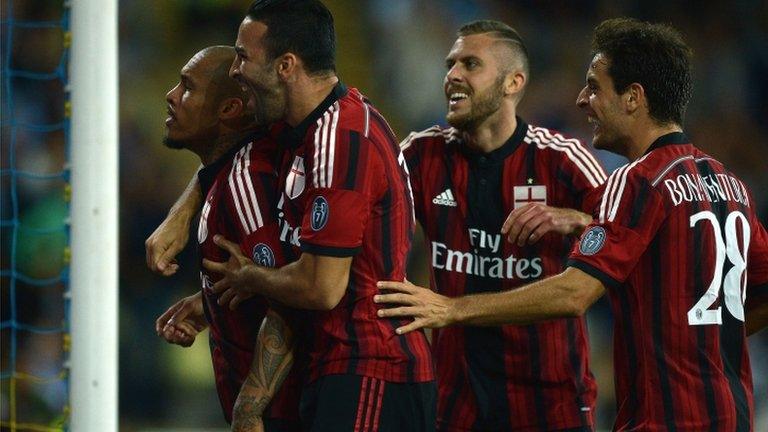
93,67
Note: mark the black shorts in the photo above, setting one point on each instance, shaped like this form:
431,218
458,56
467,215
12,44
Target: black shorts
340,403
281,425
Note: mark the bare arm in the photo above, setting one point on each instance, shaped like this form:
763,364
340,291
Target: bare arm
272,361
566,295
171,236
313,282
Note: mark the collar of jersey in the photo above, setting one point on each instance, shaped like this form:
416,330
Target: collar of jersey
672,138
207,174
502,152
294,136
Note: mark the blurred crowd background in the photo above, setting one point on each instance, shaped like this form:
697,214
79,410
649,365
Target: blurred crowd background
393,51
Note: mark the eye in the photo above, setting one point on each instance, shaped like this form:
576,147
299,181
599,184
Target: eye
449,64
472,64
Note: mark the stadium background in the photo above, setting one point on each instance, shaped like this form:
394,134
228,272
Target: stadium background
392,50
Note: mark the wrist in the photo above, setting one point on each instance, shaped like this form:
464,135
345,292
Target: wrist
456,311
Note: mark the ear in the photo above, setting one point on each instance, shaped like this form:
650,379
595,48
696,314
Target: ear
634,98
514,82
287,66
230,108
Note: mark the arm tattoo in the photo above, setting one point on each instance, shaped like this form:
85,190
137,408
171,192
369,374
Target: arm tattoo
272,361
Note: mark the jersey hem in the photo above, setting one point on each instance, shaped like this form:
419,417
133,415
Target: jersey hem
594,272
338,252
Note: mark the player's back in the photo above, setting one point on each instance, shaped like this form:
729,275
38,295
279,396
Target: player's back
674,234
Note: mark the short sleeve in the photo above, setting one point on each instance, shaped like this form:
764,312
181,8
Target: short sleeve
630,213
344,179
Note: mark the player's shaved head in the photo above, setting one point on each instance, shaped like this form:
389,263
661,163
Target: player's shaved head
214,62
509,48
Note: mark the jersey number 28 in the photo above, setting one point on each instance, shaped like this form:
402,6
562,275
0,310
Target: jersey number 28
734,282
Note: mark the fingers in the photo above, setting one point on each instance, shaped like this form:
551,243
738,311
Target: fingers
227,245
214,266
396,298
414,325
405,287
400,312
516,222
180,314
513,215
162,320
236,300
179,335
161,257
226,297
535,222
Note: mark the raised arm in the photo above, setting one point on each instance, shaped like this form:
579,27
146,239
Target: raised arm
172,235
272,361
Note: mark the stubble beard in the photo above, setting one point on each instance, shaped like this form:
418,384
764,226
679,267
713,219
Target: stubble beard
174,143
486,105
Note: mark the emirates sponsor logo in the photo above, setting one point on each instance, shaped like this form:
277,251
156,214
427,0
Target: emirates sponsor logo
477,262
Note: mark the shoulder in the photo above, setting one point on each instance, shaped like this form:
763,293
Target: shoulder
258,156
567,151
432,137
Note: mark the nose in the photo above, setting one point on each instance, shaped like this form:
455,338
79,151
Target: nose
581,99
453,74
169,95
234,70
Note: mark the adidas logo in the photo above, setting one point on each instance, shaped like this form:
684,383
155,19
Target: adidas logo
445,198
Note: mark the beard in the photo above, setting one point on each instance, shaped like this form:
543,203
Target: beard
485,105
174,143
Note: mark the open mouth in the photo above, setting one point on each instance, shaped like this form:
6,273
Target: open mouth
456,97
171,117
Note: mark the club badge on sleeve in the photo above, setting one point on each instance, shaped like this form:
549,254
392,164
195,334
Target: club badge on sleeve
263,255
320,212
592,241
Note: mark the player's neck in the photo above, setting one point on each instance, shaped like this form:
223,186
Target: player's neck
223,145
645,135
492,133
306,94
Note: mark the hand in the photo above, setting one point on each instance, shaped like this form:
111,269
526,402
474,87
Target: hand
165,243
428,308
528,224
181,323
233,287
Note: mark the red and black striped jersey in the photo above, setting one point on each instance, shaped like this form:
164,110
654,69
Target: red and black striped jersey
533,377
678,245
240,192
345,193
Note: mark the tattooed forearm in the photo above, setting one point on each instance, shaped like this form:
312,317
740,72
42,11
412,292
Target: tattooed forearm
272,361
